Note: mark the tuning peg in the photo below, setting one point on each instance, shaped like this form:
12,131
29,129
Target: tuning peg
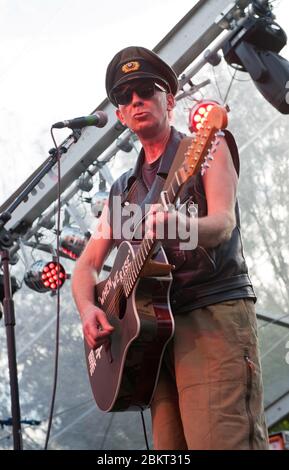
220,133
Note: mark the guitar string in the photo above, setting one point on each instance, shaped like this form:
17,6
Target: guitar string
120,289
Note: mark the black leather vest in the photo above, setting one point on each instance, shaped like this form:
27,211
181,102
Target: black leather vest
202,276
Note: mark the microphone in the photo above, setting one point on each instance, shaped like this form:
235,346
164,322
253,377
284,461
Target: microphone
99,119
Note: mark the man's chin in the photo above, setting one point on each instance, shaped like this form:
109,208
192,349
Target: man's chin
145,128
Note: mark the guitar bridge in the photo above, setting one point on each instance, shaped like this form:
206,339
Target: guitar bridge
156,268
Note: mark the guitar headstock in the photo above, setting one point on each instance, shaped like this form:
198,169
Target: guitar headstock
198,152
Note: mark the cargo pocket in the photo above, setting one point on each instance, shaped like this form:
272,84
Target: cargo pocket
250,369
258,433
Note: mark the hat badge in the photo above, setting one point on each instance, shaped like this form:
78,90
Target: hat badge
130,67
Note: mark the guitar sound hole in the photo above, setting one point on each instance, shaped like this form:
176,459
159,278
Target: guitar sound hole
121,306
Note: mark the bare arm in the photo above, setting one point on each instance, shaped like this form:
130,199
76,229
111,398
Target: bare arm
220,183
95,325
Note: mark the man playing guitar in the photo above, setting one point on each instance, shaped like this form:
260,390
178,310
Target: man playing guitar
209,388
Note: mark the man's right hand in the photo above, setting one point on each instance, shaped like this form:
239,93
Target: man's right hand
96,327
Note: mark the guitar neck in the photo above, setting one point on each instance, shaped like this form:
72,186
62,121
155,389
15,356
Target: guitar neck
148,245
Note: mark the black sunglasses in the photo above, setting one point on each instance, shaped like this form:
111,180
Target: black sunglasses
143,90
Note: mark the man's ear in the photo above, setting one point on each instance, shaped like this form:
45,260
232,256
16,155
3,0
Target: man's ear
171,102
120,116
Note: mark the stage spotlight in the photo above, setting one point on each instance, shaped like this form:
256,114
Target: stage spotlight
45,276
73,241
199,113
254,49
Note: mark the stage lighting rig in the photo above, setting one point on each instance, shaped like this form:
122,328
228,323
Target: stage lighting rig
100,198
254,49
85,182
98,202
73,241
45,276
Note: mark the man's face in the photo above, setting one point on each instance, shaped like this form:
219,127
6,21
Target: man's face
146,108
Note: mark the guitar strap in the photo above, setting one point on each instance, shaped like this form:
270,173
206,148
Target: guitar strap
178,160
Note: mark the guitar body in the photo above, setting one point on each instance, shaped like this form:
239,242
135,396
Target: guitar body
123,374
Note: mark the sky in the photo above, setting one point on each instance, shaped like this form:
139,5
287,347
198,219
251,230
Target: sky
53,57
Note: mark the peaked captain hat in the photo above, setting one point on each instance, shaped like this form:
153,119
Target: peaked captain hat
134,63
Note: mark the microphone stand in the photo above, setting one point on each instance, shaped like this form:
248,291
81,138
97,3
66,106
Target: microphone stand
9,318
8,305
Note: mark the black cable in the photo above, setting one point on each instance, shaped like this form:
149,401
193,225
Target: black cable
217,84
238,70
57,298
230,86
144,430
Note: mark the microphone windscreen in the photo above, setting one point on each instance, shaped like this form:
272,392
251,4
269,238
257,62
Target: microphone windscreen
102,118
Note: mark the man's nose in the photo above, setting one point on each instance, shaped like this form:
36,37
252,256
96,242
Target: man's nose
136,100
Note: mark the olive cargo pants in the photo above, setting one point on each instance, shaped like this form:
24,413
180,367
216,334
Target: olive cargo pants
209,394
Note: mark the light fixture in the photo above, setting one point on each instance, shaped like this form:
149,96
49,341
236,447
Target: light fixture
254,49
45,276
85,182
73,241
198,114
98,201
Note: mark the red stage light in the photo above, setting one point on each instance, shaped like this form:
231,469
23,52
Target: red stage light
199,113
44,277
